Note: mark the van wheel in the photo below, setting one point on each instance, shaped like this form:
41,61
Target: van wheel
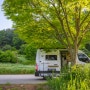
44,78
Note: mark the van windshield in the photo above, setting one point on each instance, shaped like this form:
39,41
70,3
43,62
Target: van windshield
82,57
51,57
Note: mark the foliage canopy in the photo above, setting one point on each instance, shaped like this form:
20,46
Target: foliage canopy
51,23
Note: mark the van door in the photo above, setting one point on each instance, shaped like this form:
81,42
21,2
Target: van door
52,61
64,60
49,62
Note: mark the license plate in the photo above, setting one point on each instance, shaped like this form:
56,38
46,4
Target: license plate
51,69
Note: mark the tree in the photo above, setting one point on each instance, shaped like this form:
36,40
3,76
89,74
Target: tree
2,38
87,46
9,39
51,22
6,37
30,52
17,42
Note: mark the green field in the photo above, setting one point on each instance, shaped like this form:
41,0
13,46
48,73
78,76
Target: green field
7,68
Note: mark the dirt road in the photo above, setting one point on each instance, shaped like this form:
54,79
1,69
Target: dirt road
21,79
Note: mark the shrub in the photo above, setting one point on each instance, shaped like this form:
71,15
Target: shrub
5,57
8,56
30,52
1,52
28,62
76,79
24,61
22,49
6,47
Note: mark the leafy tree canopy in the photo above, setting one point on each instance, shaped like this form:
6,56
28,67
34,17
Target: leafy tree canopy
31,17
51,22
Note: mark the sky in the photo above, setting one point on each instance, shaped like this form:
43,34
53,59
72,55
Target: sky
4,22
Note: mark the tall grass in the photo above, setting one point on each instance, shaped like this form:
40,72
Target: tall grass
78,78
7,68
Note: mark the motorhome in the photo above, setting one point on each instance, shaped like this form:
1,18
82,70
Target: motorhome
54,60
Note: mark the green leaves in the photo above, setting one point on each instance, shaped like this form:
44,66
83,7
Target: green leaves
50,21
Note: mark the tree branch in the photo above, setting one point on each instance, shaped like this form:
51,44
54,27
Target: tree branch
84,32
66,19
56,30
84,19
69,30
79,14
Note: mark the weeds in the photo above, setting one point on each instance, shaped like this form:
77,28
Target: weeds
76,79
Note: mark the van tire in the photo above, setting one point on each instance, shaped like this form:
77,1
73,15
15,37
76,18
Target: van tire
44,78
36,73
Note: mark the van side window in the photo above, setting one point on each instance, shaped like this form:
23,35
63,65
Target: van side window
83,57
51,57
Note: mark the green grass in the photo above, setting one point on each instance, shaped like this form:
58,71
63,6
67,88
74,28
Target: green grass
8,68
23,66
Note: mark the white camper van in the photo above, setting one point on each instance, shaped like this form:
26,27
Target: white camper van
48,63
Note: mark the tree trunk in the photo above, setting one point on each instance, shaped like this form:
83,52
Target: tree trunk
73,53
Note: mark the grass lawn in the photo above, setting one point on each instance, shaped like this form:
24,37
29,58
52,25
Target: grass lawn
8,68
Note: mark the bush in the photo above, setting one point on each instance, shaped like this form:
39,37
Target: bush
30,52
8,56
6,47
76,79
28,62
24,61
22,49
1,52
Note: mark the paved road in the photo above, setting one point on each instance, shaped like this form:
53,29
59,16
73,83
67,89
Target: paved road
21,79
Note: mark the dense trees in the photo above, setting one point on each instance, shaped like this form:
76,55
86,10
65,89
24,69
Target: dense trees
8,46
9,39
51,22
9,42
87,46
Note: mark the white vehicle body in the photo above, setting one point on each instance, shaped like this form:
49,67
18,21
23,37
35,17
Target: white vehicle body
48,63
